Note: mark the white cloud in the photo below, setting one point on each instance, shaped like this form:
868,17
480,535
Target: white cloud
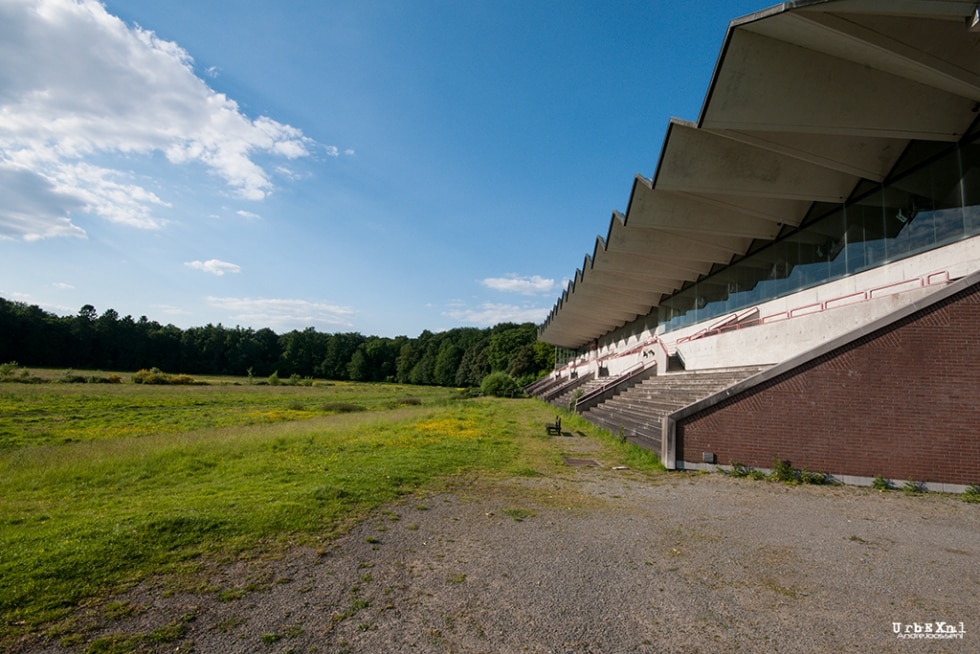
15,295
248,214
78,88
170,310
34,207
214,266
334,151
513,283
490,313
64,286
284,314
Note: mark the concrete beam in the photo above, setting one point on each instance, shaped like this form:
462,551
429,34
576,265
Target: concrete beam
654,242
692,213
700,161
766,84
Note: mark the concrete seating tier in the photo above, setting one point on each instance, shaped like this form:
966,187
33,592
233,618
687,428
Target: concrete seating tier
637,414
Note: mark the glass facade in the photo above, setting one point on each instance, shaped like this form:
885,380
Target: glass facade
933,199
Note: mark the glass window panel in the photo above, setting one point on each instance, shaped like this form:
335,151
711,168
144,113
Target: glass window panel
937,203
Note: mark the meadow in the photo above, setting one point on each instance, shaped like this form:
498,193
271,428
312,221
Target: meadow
102,485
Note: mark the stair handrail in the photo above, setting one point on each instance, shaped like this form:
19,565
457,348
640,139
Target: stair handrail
573,382
544,383
610,388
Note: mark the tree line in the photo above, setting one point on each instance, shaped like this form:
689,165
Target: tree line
88,340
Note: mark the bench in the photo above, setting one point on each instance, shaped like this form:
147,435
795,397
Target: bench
554,427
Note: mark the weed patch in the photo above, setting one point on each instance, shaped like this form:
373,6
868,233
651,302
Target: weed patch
912,487
782,471
342,407
519,515
880,483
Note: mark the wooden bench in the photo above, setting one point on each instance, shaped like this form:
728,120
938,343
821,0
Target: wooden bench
554,427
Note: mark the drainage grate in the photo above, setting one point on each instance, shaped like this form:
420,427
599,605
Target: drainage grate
580,462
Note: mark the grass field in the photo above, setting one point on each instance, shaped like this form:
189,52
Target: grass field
102,485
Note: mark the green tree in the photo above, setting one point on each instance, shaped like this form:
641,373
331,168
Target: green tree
340,349
506,340
447,363
358,368
473,367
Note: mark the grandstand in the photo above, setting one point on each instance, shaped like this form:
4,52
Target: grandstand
798,279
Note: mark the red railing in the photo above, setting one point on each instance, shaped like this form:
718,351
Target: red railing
598,394
726,324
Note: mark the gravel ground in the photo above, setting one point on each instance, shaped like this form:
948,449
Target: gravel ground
591,559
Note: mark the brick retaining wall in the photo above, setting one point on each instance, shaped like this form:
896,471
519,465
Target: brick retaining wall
902,402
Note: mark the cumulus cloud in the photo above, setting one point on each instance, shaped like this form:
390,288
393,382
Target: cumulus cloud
34,207
334,151
214,266
248,214
79,87
284,314
489,313
513,283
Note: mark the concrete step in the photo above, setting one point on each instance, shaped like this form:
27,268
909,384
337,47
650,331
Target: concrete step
639,434
637,413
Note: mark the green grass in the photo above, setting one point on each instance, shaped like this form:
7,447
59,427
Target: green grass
34,414
101,486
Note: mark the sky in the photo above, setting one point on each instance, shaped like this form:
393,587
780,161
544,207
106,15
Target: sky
361,166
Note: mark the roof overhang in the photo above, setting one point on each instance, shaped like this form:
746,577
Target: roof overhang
807,99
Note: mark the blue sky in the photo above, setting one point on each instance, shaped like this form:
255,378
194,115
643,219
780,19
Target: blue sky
380,167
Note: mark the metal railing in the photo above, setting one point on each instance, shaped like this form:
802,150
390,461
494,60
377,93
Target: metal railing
638,371
572,383
732,323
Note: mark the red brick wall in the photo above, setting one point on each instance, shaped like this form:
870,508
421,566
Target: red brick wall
902,402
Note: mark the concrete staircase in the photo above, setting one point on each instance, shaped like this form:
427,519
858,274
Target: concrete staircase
637,413
562,401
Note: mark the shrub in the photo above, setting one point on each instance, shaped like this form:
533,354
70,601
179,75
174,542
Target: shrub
972,493
111,378
783,470
880,483
818,478
739,470
157,376
70,377
499,384
23,375
343,407
8,369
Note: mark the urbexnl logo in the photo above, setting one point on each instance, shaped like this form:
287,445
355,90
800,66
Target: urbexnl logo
929,630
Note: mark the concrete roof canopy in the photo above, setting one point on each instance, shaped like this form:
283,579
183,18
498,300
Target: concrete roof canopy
807,99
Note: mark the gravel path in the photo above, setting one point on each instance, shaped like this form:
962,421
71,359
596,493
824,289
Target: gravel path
594,559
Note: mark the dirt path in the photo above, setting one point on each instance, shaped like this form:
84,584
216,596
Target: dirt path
593,560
